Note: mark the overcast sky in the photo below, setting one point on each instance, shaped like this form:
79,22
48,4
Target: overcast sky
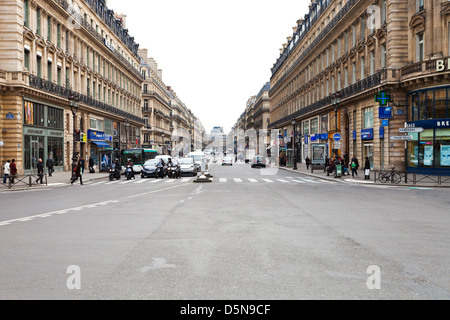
214,54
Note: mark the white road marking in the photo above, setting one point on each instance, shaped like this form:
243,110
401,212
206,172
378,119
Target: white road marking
170,181
124,182
298,181
223,180
253,180
141,181
98,183
155,181
284,181
112,182
267,180
237,180
185,180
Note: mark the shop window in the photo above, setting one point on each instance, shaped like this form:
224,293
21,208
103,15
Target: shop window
368,118
314,126
440,103
442,144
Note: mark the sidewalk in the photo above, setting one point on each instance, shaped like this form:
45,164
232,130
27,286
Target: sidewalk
60,178
319,173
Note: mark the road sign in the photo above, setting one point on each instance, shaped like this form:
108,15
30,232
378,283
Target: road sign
337,145
406,130
404,138
337,137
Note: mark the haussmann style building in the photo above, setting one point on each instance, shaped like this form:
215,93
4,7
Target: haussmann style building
355,73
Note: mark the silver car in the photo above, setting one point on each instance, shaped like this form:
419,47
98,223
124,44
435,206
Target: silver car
227,161
188,166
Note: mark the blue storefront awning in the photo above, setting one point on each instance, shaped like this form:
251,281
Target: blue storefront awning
101,144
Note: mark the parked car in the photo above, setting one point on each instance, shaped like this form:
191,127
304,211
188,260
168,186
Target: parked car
188,166
259,162
227,161
149,168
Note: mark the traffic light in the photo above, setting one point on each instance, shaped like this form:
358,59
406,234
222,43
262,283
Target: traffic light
77,135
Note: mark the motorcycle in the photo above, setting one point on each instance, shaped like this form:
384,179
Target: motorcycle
174,172
129,173
160,173
114,173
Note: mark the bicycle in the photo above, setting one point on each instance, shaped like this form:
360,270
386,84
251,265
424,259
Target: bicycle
390,176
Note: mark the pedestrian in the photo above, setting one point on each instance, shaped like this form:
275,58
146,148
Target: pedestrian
82,166
331,167
6,170
354,166
346,159
13,170
91,165
367,169
345,167
50,166
308,162
77,173
40,172
327,162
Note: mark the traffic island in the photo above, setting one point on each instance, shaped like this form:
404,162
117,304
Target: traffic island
202,179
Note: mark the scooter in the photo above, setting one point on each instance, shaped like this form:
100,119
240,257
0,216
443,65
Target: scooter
129,173
160,172
114,173
173,172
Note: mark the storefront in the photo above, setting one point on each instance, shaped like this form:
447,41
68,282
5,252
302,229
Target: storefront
43,136
100,149
429,117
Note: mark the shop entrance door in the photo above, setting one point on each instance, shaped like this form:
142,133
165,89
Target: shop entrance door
34,149
368,152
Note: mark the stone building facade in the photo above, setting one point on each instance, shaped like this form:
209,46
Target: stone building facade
51,50
343,55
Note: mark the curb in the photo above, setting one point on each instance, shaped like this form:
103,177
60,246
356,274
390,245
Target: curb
365,183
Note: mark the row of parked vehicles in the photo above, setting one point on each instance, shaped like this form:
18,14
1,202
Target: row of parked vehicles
160,167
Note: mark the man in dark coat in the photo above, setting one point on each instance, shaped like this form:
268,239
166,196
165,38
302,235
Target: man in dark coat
40,172
50,166
77,174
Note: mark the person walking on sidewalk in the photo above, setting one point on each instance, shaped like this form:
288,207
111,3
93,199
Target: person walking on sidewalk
355,166
40,172
367,169
77,174
6,171
50,166
13,169
344,167
308,162
91,165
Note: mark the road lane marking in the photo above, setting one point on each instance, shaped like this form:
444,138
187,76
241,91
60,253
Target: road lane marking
298,181
253,180
237,180
268,180
112,182
170,181
223,180
124,182
141,181
98,183
284,181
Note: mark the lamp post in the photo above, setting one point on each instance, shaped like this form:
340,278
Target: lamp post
294,124
74,102
163,142
336,99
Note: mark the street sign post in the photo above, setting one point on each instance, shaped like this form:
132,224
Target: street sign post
411,130
402,138
337,137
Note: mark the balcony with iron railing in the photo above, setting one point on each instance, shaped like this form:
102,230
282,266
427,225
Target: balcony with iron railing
353,90
424,68
65,92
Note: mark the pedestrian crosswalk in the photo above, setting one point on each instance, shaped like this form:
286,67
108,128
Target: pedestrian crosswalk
253,181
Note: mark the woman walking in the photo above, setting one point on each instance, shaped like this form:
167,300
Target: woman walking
367,169
77,174
354,166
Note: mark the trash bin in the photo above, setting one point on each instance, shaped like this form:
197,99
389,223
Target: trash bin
338,173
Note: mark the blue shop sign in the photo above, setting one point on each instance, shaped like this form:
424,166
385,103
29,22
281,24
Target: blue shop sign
429,124
367,134
385,123
306,139
385,112
354,135
381,132
96,135
314,138
324,136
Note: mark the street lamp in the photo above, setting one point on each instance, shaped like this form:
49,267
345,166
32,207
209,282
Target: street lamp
163,142
74,102
336,99
294,124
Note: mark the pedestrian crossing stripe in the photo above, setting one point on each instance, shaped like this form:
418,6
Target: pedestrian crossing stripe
237,180
267,180
223,180
253,180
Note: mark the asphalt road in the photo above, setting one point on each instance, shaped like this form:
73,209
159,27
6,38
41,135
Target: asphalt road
251,234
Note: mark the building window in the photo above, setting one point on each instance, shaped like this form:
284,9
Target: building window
372,63
58,35
39,66
67,40
354,73
383,12
419,5
383,56
419,48
339,81
363,29
49,71
49,29
368,118
353,36
38,20
346,41
27,59
346,77
26,13
59,75
363,66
